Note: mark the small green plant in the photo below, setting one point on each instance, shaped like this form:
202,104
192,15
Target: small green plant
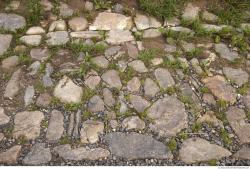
204,89
45,124
194,53
225,137
212,162
128,74
65,140
183,135
240,42
243,89
35,11
173,89
86,115
21,140
8,131
172,145
72,106
147,55
100,4
24,59
196,127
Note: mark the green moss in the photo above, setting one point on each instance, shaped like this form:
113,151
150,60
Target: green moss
72,106
100,4
45,124
94,50
243,89
172,145
204,89
34,11
8,131
225,137
194,53
65,140
24,59
212,162
161,8
196,127
147,55
21,140
183,135
86,115
240,42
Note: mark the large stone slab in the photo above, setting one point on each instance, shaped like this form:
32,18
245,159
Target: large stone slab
55,128
237,76
13,85
143,22
136,146
4,119
164,78
27,123
117,36
225,52
5,40
236,118
243,153
38,155
11,22
67,91
10,156
112,78
168,115
109,21
220,88
199,150
57,38
81,153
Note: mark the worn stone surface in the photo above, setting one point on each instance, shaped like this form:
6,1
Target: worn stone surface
57,38
78,23
81,153
243,153
198,150
38,155
28,95
139,103
164,78
11,22
134,84
96,104
91,130
10,62
237,76
220,88
3,117
138,66
111,21
169,116
39,54
150,88
35,30
27,123
225,52
112,78
109,100
13,85
144,22
67,91
5,40
236,118
133,122
190,12
10,155
116,36
136,146
55,128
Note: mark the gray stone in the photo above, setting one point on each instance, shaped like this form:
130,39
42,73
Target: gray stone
34,68
112,78
38,155
10,155
65,10
67,91
11,22
199,150
101,61
4,119
243,153
169,116
77,124
43,100
89,6
78,23
47,5
27,123
116,36
55,128
13,85
134,84
40,54
81,153
139,103
111,51
151,33
211,28
144,22
136,146
236,118
181,29
188,47
86,34
32,40
10,62
225,52
109,100
150,88
57,38
35,30
47,81
59,25
138,66
132,50
96,104
220,88
92,79
237,76
133,122
111,21
164,78
191,12
28,95
5,41
91,130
